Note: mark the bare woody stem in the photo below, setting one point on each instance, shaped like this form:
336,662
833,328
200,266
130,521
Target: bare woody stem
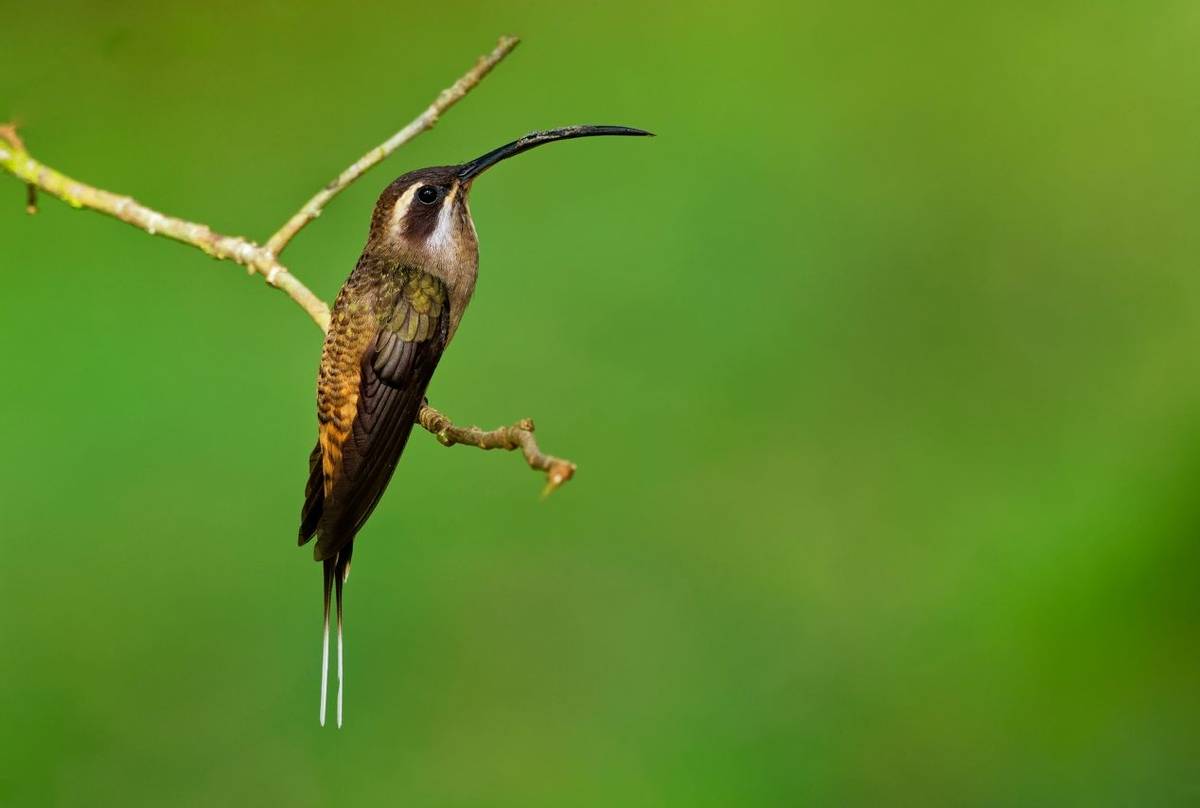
517,436
16,160
448,98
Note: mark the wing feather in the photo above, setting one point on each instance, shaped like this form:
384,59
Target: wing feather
367,427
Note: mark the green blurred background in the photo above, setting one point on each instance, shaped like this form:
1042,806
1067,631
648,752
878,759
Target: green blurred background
880,365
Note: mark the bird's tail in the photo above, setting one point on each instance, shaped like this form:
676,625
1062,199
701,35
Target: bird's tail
337,570
339,579
329,572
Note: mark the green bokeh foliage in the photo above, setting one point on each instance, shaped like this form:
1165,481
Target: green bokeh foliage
879,363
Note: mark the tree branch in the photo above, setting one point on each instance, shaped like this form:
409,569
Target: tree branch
15,159
423,122
517,436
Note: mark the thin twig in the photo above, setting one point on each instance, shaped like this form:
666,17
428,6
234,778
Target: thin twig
15,159
446,99
517,436
18,162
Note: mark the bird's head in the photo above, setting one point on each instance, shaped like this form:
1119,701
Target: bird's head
423,216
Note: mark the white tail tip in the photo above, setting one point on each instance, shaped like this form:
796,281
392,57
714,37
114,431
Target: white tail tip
339,701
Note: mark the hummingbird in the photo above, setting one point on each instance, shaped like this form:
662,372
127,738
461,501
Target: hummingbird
392,321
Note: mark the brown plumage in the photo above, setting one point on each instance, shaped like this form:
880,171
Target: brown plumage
391,322
390,326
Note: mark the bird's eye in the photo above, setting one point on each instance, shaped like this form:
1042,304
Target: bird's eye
427,194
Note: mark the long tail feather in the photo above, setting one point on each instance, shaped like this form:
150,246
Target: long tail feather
343,569
329,573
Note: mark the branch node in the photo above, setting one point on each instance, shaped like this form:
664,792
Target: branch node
8,132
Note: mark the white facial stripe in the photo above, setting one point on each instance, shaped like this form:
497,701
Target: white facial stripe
401,206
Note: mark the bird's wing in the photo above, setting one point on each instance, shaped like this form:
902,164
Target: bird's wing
367,409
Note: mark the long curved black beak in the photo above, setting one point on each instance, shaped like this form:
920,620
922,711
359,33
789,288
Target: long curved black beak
468,171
